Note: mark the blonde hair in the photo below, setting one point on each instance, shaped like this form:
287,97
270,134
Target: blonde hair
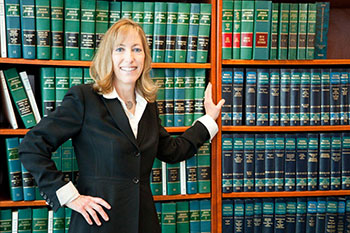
101,69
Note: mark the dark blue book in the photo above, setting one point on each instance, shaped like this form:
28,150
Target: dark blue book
274,97
334,101
269,163
285,97
290,163
226,94
331,214
169,97
325,163
238,216
248,178
267,215
158,206
249,216
194,216
179,97
322,24
238,162
321,214
257,215
311,215
344,97
345,161
192,175
347,213
28,185
312,161
325,97
262,97
279,161
305,97
259,179
341,214
205,215
250,96
301,215
227,216
291,211
237,94
193,33
227,163
280,215
336,161
295,79
301,162
315,96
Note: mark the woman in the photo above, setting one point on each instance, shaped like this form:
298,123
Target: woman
116,134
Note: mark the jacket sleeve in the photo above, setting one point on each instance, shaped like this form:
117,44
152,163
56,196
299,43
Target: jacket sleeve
176,149
39,143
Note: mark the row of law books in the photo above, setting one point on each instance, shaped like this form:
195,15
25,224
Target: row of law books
285,162
180,97
22,184
72,30
285,96
184,216
188,177
35,220
292,215
264,30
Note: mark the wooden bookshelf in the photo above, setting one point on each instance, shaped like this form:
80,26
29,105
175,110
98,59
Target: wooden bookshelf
323,128
286,194
7,203
288,62
181,197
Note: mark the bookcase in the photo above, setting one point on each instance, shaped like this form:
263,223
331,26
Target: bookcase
338,56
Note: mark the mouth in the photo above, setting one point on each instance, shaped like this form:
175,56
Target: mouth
128,69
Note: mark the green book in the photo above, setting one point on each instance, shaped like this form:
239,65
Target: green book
302,30
171,24
203,33
57,29
158,77
293,31
67,160
179,97
19,96
203,164
168,217
182,217
48,93
71,29
173,178
274,31
28,29
283,30
102,9
311,31
61,84
159,32
148,19
227,29
169,97
43,30
75,76
114,12
237,18
87,34
193,33
58,221
5,220
199,87
67,217
182,26
262,30
137,12
156,178
86,76
24,220
205,213
40,220
247,29
126,11
11,9
189,97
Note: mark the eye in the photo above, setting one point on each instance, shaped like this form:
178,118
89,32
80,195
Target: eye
137,50
119,49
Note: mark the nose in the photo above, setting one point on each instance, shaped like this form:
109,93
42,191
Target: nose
129,55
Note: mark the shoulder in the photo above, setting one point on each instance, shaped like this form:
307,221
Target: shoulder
82,91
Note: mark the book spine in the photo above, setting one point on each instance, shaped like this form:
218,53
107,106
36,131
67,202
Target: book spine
67,160
168,217
71,29
344,97
203,33
321,214
262,30
173,178
193,33
28,28
205,216
192,175
40,220
3,42
331,214
295,97
28,185
43,30
279,161
325,97
301,162
345,156
48,96
305,97
156,178
126,9
182,216
274,97
285,97
280,215
347,214
259,175
248,216
194,216
57,38
189,96
226,93
13,29
301,215
169,97
283,29
262,92
238,162
87,33
102,9
334,103
137,12
148,20
199,86
238,216
58,221
311,214
114,12
267,215
61,84
86,76
247,28
237,94
269,163
24,220
204,172
335,161
312,161
315,94
291,210
227,29
164,178
159,32
248,177
325,163
182,26
227,163
322,24
183,185
302,31
290,163
250,96
14,221
179,97
75,76
158,76
67,216
274,31
5,94
257,215
171,25
237,20
227,216
341,214
311,31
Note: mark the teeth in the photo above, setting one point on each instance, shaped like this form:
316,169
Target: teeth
128,68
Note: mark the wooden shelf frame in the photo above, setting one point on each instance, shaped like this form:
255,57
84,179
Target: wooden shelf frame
287,194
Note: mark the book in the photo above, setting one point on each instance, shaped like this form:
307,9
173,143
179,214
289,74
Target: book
248,215
344,97
226,93
250,96
301,215
171,25
324,163
6,220
237,20
189,97
312,161
199,87
331,214
192,175
13,29
28,29
205,215
159,32
301,161
285,91
101,25
61,84
168,223
194,216
158,77
305,97
156,177
335,92
137,12
3,42
280,215
257,215
87,33
315,97
302,31
40,220
237,96
182,216
259,172
274,31
182,26
28,184
227,216
311,214
203,166
67,160
75,76
321,214
114,13
262,96
148,14
173,178
279,161
227,163
203,33
293,31
238,162
345,157
25,220
227,29
283,30
57,38
238,215
169,97
43,30
71,29
126,9
267,214
322,25
269,163
295,77
291,210
30,94
48,94
248,161
290,163
336,143
179,97
6,102
274,97
311,31
247,29
192,38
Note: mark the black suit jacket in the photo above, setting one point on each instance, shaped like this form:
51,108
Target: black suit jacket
112,164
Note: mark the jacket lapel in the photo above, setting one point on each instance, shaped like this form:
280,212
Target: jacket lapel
115,108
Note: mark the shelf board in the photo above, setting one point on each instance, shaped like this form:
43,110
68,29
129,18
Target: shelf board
181,197
288,62
286,128
8,203
287,194
88,63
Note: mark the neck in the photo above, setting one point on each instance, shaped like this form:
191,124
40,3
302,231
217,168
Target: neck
126,92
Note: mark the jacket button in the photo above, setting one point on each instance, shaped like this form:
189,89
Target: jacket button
135,180
137,154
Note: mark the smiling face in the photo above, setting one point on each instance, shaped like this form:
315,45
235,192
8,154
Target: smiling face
128,57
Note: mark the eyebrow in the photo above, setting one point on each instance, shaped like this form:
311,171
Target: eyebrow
131,46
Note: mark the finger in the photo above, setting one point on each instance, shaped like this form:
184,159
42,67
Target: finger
100,210
208,91
86,216
221,102
102,202
93,215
